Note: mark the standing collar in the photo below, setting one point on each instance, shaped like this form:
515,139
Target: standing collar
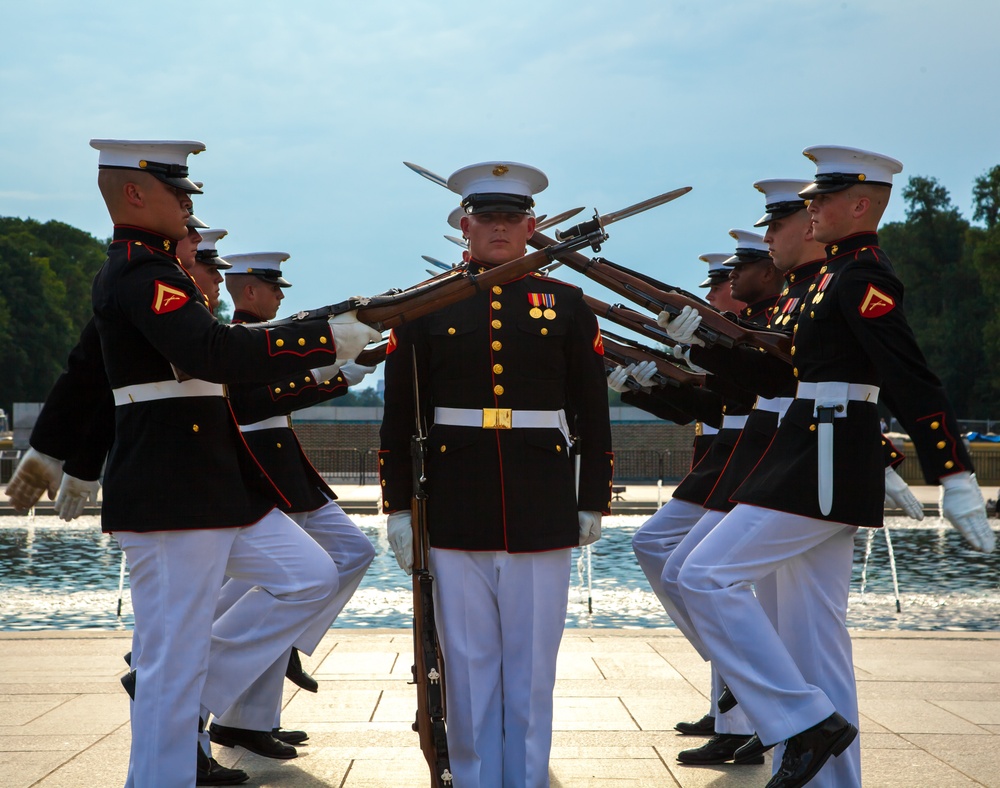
128,232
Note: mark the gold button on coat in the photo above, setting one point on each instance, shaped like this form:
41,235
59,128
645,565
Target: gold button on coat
301,342
935,425
496,304
497,344
941,444
194,428
451,330
949,465
498,390
279,342
545,331
498,369
497,289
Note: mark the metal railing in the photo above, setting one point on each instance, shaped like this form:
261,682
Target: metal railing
651,465
347,465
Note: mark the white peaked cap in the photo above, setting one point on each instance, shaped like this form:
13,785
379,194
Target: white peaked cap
839,167
165,160
264,265
501,186
717,272
749,247
781,198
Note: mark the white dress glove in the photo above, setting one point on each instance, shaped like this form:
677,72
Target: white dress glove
962,505
36,473
644,373
682,327
590,527
399,528
897,492
73,496
617,380
355,373
683,354
351,335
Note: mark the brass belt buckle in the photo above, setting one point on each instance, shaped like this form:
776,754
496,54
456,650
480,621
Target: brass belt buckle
497,418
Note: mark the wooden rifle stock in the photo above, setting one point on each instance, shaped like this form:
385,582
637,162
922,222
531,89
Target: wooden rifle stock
624,352
373,356
428,661
630,319
715,328
396,307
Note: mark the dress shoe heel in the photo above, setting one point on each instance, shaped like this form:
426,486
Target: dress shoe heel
295,674
259,742
727,701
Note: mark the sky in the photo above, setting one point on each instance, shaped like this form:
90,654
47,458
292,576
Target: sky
309,109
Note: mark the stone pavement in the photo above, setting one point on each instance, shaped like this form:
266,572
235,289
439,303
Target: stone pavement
930,712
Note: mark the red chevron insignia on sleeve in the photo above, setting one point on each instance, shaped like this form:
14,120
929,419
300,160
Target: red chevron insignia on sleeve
167,298
391,346
599,343
875,303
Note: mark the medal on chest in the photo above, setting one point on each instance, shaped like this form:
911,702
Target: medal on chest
542,305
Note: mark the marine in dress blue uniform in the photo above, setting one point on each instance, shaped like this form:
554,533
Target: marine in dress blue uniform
263,413
181,491
510,381
849,343
666,531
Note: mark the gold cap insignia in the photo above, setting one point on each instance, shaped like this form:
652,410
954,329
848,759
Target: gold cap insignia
501,169
810,157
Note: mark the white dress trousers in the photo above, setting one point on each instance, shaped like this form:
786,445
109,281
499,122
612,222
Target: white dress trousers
790,681
259,707
500,619
175,578
664,540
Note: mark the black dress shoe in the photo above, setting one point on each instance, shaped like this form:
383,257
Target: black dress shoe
719,749
806,752
727,701
751,751
260,742
211,772
128,659
289,737
298,676
703,727
128,682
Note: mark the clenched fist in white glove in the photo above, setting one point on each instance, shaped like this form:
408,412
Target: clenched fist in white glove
590,527
897,492
73,496
618,378
36,473
962,505
399,528
351,335
682,327
354,373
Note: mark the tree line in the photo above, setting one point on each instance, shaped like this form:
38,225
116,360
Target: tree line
949,265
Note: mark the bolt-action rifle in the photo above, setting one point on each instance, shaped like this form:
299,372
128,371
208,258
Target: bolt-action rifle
428,661
716,328
624,352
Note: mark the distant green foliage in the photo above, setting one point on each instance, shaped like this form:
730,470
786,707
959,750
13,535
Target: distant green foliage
355,397
45,275
951,272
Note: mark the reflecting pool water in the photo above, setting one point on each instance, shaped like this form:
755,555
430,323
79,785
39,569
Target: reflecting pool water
59,576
